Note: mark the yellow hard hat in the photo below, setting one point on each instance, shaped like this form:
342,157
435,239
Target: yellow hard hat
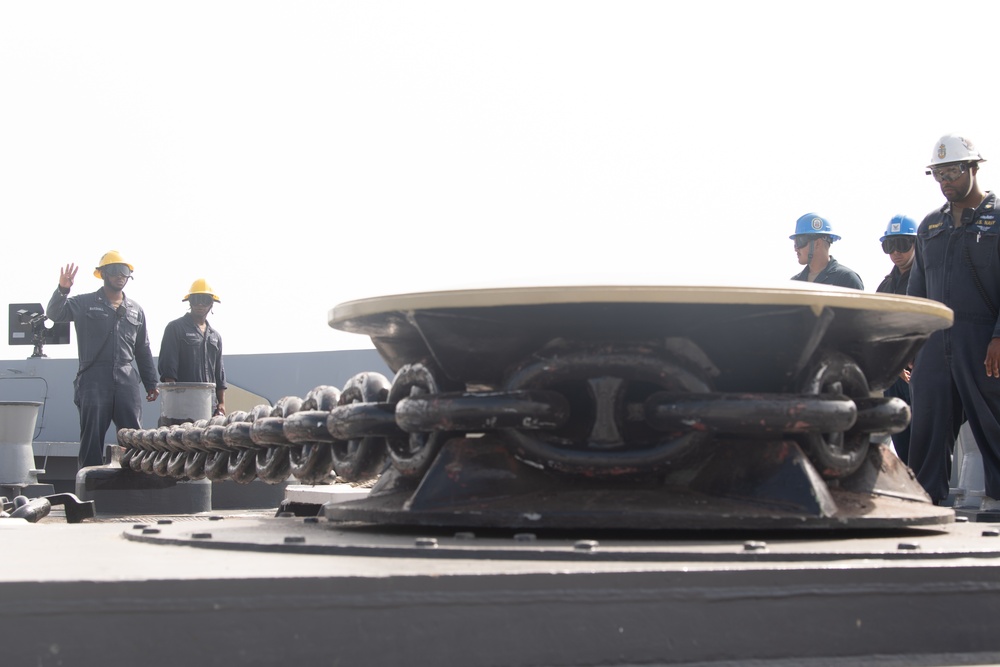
201,286
111,257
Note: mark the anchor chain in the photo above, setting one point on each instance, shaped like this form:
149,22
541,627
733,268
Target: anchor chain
596,410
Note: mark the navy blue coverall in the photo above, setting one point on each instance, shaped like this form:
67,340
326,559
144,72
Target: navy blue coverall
107,385
896,283
833,274
188,355
960,267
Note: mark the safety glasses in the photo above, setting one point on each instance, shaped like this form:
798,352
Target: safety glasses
115,270
803,241
897,244
947,173
201,299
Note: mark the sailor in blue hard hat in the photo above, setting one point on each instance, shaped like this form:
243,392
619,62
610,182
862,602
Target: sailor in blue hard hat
813,237
898,243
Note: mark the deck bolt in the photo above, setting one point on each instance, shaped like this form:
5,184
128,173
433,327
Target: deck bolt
150,531
216,517
992,532
164,522
202,536
426,542
294,539
586,545
908,546
311,519
138,526
752,545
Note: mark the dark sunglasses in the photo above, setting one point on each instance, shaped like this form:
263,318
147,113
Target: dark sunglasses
201,299
803,241
897,244
113,270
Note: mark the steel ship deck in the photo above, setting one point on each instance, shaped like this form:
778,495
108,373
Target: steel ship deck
565,476
244,588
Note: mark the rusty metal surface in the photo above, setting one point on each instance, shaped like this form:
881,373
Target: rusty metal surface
676,407
724,485
590,413
734,385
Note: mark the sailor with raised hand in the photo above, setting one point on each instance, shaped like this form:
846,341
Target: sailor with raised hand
110,334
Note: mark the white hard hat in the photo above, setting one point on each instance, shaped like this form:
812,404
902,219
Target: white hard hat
953,148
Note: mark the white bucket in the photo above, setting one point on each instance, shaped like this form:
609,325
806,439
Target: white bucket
17,430
185,402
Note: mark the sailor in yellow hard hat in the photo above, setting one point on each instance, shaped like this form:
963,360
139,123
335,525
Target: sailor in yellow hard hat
191,350
112,264
110,334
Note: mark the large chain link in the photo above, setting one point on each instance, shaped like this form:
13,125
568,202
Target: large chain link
591,411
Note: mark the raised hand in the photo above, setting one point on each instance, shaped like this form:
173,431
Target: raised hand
67,275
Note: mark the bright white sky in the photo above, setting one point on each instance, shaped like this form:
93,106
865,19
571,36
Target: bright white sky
301,154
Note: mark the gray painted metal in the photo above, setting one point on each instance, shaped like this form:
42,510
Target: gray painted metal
17,423
548,601
50,381
256,590
57,428
275,376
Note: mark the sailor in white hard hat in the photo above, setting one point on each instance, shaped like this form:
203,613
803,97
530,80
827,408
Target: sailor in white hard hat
956,375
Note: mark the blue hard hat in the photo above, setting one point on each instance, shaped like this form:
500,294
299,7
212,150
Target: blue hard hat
814,224
900,225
